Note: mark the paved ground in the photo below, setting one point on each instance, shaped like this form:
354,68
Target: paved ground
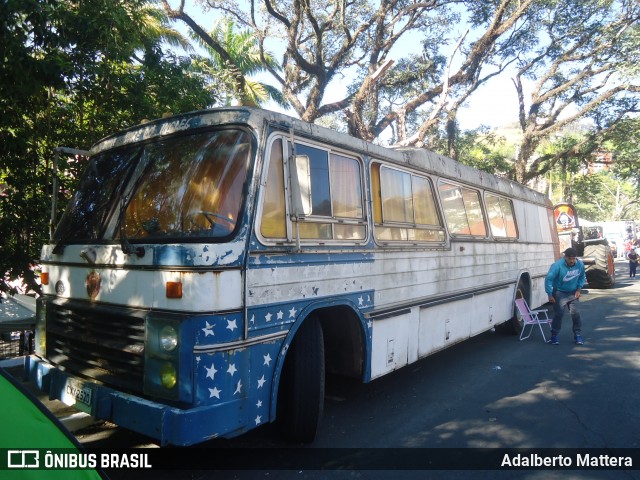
488,392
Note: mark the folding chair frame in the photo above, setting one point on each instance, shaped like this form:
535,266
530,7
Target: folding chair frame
531,318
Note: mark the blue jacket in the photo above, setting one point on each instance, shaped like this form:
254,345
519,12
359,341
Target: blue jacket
564,278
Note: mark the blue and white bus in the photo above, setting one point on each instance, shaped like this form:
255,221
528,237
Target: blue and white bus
213,266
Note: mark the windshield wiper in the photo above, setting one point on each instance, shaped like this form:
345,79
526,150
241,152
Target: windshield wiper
59,248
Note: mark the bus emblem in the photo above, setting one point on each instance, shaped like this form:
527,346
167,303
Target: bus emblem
93,284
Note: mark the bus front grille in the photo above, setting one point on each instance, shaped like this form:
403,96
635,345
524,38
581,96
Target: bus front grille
96,343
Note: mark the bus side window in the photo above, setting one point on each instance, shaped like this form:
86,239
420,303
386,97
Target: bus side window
273,223
462,209
404,208
346,197
501,217
336,197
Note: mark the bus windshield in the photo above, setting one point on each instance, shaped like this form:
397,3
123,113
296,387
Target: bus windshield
178,188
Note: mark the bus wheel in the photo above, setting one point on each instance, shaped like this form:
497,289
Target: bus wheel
301,391
515,324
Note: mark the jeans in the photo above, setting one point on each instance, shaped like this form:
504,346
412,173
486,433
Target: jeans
565,299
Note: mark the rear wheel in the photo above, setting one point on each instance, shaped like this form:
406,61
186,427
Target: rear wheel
301,390
602,273
515,324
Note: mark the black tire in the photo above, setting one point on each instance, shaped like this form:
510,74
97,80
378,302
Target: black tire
301,390
602,273
515,324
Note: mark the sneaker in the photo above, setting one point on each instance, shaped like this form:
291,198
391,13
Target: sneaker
579,340
554,340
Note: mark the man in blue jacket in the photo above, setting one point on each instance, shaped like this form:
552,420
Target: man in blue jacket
563,283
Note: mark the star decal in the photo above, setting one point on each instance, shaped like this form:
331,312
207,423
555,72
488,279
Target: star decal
238,387
211,371
208,330
292,312
267,317
231,325
232,369
258,419
267,360
259,404
214,392
261,382
253,319
360,301
280,315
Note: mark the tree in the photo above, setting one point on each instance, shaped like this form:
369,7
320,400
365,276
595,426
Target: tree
74,72
576,69
604,197
623,140
242,48
565,70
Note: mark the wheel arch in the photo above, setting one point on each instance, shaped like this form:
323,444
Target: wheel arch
345,354
524,280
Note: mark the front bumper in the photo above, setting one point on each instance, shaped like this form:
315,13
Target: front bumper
166,424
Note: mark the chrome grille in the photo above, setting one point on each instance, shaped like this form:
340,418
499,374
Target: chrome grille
97,342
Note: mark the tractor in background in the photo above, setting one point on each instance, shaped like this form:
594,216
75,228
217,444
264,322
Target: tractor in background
592,247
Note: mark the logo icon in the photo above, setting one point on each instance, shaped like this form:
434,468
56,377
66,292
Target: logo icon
93,284
23,459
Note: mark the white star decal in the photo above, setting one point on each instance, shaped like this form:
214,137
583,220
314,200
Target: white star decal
280,315
259,404
261,382
258,419
231,325
369,324
253,319
292,312
208,330
238,387
267,360
211,371
360,301
267,317
232,369
214,392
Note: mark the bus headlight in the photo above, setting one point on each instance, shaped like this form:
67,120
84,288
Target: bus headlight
162,359
168,375
168,338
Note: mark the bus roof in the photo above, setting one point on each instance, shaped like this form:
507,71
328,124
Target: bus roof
418,158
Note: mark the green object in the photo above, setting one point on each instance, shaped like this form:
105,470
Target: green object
26,424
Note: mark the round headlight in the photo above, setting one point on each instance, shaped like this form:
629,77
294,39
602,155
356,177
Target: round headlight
168,338
168,377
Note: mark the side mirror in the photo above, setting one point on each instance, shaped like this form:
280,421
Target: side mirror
300,180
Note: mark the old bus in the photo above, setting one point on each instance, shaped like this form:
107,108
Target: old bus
213,266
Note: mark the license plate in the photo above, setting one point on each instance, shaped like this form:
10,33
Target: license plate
77,394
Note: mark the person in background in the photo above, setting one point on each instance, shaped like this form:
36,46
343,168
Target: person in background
563,283
633,257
